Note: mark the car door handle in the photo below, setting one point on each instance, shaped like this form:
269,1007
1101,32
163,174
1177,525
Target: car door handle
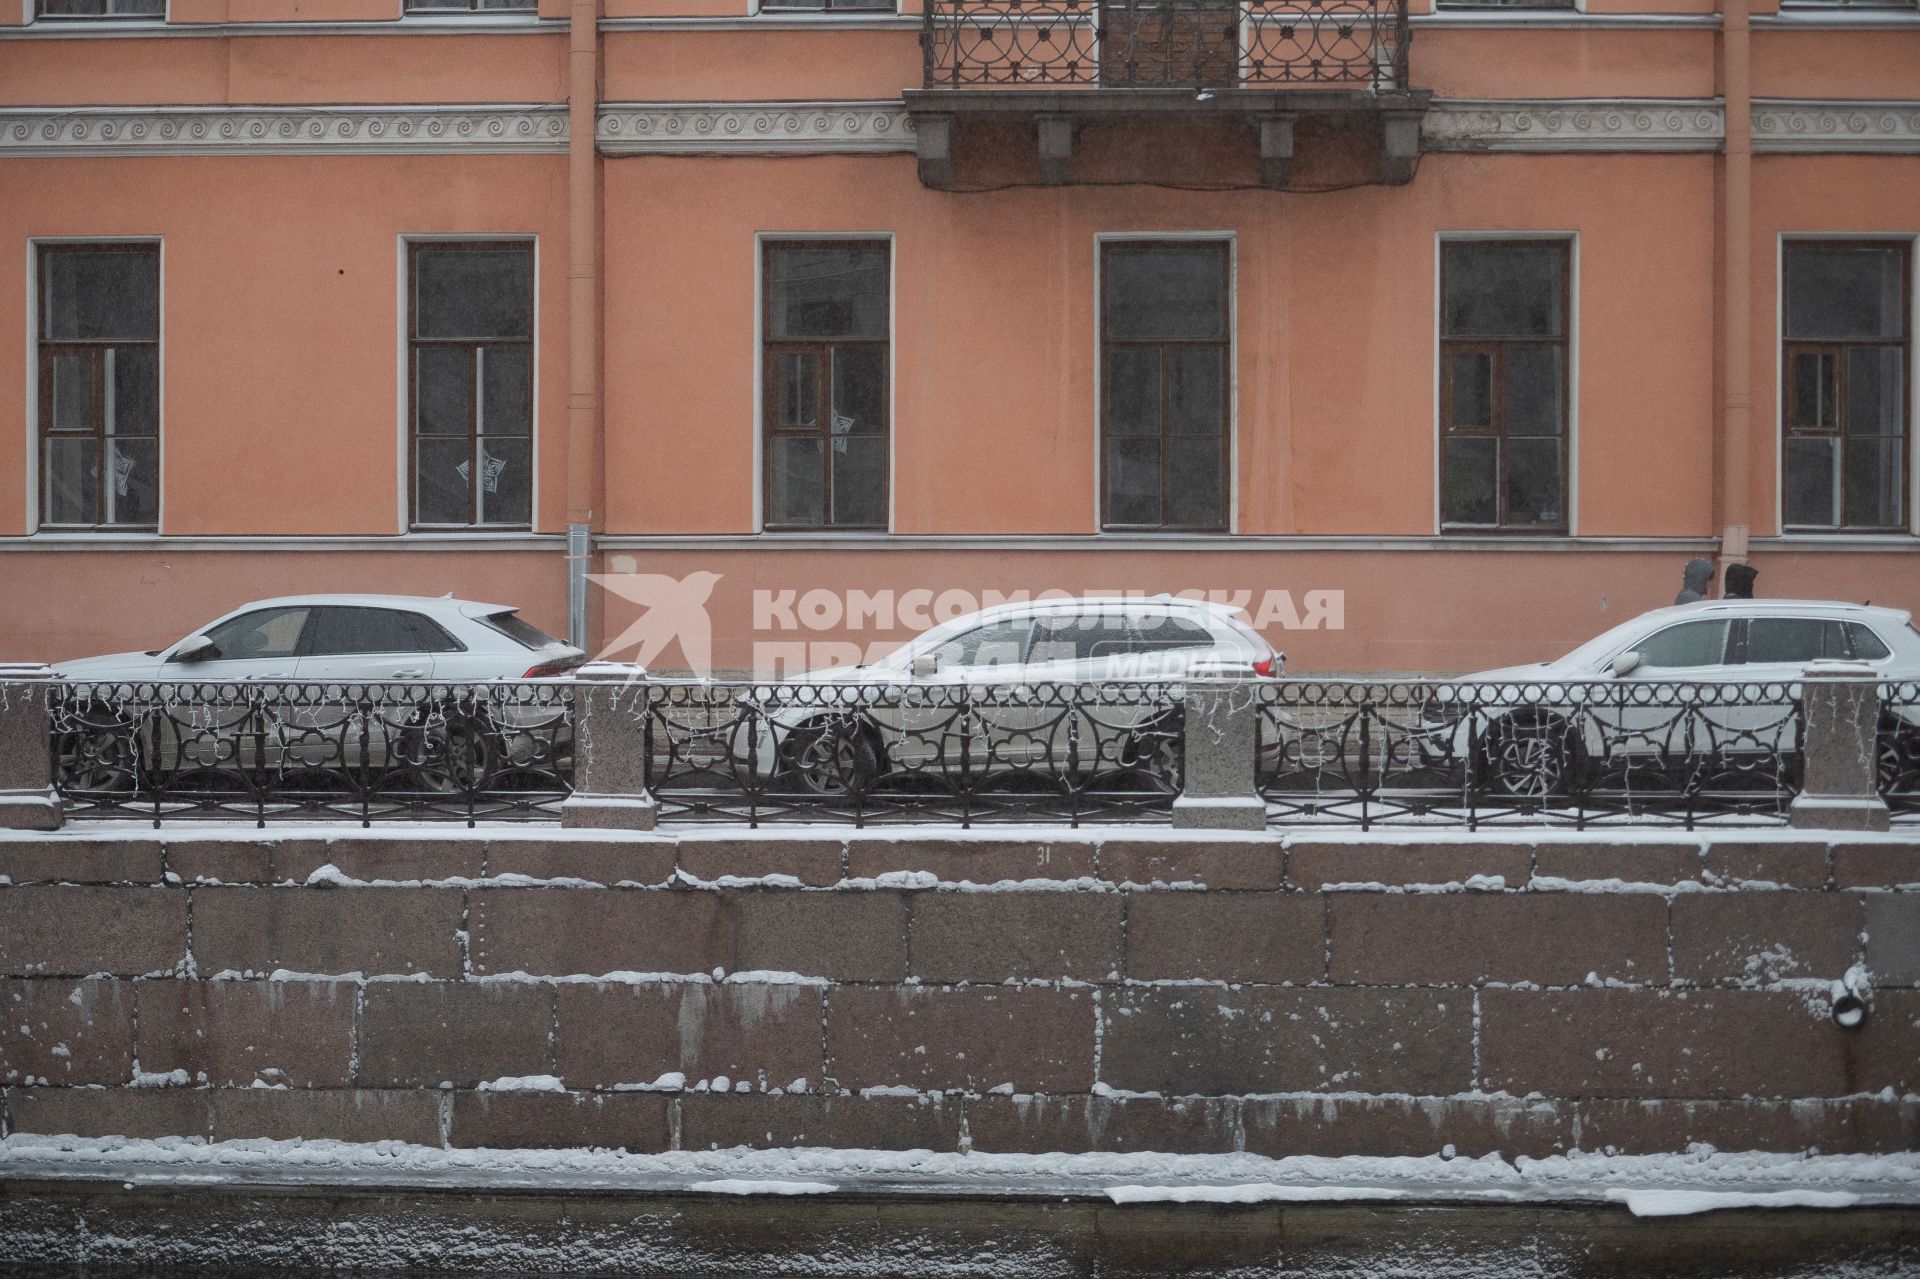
412,673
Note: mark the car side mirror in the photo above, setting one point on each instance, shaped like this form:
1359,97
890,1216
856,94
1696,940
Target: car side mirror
925,665
195,648
1625,664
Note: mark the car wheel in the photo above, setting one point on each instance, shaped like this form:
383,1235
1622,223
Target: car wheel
1898,756
95,749
831,758
1152,752
449,752
1532,756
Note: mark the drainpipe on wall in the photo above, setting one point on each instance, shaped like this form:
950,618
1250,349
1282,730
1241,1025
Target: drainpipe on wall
585,442
1736,299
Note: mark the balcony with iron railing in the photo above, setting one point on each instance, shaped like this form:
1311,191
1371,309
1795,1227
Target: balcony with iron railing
1057,69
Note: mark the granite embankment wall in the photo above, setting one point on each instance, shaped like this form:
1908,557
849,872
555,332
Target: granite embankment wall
1295,996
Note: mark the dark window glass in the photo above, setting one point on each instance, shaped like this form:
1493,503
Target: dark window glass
1154,633
1845,403
470,6
345,632
1689,644
102,8
1865,645
99,385
267,632
472,383
1165,369
1793,639
429,636
1504,375
826,383
995,644
519,630
828,6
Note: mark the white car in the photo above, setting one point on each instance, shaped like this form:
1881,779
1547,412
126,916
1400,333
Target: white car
1003,663
346,637
1526,731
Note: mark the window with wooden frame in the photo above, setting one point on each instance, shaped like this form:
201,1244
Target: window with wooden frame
1846,402
1504,373
99,385
150,9
1165,360
825,375
471,6
470,383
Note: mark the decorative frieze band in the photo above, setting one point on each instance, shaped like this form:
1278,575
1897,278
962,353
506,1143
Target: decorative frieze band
757,128
1782,125
723,128
336,130
1574,125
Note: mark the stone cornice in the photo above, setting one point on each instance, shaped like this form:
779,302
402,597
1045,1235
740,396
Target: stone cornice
333,130
1786,126
753,128
1572,124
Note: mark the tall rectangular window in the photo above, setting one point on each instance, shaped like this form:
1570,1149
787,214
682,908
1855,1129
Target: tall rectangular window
1165,360
1504,372
99,393
1844,394
825,373
470,372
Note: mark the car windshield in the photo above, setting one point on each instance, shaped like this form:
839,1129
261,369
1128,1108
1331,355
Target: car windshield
1607,643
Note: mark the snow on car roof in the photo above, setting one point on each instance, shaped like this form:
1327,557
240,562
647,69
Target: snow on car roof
425,603
1776,606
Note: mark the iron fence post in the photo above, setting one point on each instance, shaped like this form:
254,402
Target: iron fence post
1219,785
28,798
1840,778
610,756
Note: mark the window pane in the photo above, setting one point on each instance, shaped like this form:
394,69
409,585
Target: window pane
103,8
827,292
73,481
1812,466
1811,388
1845,291
506,481
1193,481
1792,639
1533,390
1533,482
860,480
473,293
1468,489
506,378
1472,400
136,481
1504,290
1872,497
1196,391
72,407
440,481
1157,632
996,644
1133,480
795,496
136,391
344,632
797,399
1866,646
1165,291
859,390
267,632
1690,644
1133,391
101,294
1876,391
444,387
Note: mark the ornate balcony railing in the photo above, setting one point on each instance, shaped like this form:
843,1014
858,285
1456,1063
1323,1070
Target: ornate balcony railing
1166,44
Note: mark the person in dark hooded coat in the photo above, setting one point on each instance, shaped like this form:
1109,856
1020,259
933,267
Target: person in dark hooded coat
1740,581
1694,580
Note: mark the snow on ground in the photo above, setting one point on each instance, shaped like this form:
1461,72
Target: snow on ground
1649,1185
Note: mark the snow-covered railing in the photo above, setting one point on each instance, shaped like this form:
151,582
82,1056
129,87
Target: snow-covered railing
1834,748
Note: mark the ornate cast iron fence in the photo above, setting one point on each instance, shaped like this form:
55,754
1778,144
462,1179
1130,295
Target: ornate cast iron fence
1165,44
1898,748
273,751
1588,754
877,753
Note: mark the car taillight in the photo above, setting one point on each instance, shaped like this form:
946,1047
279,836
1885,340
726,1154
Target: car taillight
547,670
1265,666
